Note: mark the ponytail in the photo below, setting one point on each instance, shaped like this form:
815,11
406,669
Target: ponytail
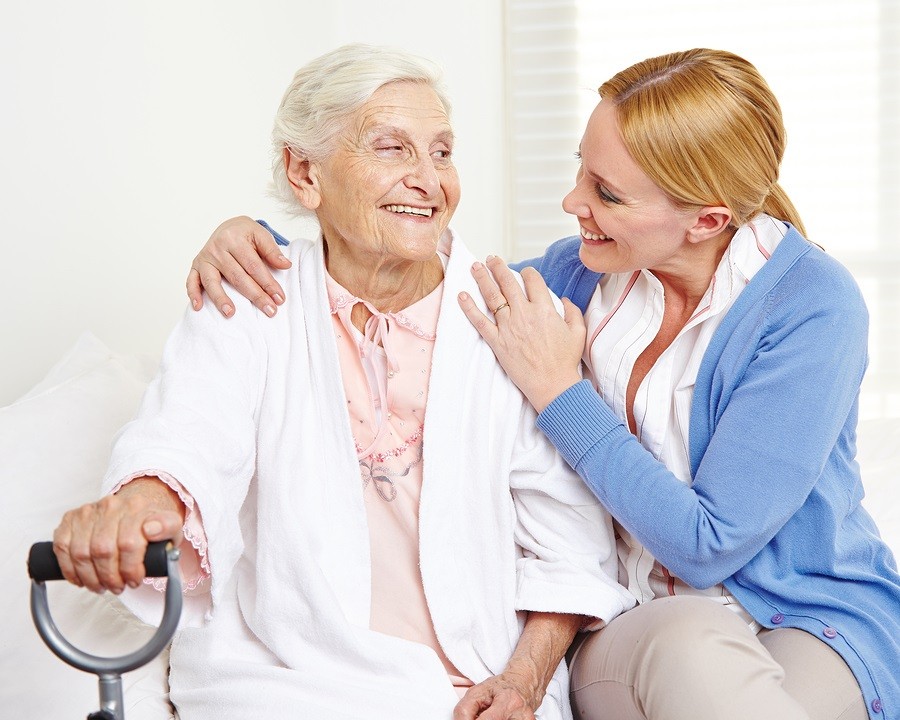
779,205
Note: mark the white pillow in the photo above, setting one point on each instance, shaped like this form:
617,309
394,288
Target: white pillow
54,447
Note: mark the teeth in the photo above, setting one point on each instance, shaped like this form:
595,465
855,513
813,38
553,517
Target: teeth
593,236
425,212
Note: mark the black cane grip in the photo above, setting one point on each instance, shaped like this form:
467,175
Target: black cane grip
43,565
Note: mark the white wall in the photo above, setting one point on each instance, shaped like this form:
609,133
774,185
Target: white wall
130,130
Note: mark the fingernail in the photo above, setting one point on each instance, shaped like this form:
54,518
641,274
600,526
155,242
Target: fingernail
464,296
152,527
491,257
195,303
278,299
269,310
133,584
227,310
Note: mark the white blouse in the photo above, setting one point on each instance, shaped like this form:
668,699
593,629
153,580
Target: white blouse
623,317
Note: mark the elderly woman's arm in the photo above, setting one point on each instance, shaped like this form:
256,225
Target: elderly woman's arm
241,251
519,690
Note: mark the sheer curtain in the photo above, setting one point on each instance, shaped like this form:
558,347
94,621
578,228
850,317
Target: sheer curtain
834,66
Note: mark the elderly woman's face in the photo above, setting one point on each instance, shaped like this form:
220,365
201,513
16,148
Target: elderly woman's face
390,187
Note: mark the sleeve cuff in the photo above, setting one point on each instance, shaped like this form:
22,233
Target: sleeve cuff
576,420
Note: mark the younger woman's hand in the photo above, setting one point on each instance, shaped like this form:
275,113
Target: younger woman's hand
241,251
540,350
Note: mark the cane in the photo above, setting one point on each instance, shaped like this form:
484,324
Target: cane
161,560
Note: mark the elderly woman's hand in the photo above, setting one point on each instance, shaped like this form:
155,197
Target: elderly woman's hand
101,545
502,697
540,351
238,250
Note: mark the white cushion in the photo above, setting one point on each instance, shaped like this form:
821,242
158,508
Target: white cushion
54,447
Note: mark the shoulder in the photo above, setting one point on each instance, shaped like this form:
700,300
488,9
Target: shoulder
816,281
561,257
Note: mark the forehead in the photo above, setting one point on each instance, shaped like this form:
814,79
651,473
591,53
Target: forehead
602,132
409,106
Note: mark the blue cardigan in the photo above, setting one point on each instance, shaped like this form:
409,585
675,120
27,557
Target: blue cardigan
773,511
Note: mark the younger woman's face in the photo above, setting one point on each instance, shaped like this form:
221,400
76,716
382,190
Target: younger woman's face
627,222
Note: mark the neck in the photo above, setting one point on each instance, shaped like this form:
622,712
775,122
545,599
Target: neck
686,284
386,282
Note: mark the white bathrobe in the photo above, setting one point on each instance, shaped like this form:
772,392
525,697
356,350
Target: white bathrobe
249,415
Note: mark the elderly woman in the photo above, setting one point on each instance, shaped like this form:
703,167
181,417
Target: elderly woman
725,354
373,510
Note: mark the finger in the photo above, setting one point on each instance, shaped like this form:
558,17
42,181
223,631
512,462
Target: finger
479,320
83,520
136,531
471,704
104,544
490,291
62,537
506,281
270,251
252,278
573,316
132,545
194,289
211,280
500,709
535,287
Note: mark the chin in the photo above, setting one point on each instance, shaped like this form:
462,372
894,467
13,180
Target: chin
592,257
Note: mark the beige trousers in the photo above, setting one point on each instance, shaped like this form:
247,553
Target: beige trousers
689,658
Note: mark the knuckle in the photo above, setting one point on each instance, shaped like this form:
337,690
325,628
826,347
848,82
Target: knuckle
80,555
254,266
102,549
129,545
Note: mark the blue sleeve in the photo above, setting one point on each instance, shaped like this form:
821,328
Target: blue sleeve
563,271
771,441
279,238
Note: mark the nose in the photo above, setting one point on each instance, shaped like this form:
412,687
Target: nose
574,204
423,176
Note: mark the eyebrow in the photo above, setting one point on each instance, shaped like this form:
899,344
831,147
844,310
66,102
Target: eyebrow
382,129
602,180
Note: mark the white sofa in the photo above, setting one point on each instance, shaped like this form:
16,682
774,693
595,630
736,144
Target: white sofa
54,444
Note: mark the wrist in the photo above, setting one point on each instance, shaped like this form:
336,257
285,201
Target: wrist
154,494
548,391
527,681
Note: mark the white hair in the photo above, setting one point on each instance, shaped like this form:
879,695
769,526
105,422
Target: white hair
327,91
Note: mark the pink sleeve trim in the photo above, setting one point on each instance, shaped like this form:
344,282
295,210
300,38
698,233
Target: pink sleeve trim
195,569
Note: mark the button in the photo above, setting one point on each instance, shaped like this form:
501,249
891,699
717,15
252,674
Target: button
877,706
777,619
830,633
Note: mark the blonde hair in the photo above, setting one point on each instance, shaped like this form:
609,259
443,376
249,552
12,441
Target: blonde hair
326,92
705,126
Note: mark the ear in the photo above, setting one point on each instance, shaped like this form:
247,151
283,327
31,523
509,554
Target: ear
710,222
303,174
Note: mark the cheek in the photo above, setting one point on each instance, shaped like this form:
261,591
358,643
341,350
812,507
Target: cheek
451,187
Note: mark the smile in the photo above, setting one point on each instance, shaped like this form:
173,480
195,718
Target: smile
409,210
594,237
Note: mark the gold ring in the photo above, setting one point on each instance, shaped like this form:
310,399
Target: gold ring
500,307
